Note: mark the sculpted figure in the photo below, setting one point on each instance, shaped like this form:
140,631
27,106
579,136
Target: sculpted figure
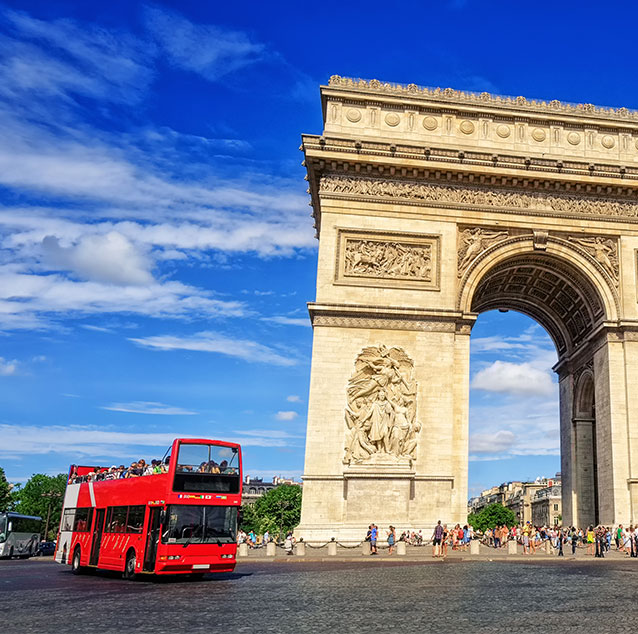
603,252
381,411
473,242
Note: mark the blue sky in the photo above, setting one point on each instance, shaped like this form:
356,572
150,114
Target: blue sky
156,247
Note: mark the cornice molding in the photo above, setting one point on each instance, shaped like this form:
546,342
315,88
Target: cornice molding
465,97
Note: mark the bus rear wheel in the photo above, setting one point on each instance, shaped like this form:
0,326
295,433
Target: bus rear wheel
129,566
76,567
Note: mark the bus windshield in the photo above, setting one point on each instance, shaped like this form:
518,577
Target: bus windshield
3,528
200,525
207,459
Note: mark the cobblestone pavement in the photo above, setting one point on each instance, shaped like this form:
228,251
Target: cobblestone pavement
367,595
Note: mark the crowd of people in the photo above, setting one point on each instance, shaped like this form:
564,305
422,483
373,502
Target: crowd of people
137,469
254,540
597,540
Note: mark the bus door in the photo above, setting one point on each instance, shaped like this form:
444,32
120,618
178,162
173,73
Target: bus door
97,536
152,538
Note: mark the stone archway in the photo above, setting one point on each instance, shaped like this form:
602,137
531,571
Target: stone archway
432,206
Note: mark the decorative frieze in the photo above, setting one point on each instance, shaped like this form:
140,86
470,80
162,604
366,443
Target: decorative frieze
460,196
393,260
383,323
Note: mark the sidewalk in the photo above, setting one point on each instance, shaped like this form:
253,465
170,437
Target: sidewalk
422,554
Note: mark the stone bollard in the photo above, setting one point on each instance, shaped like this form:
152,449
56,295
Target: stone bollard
401,549
271,549
300,549
474,547
549,549
243,550
332,549
511,547
365,548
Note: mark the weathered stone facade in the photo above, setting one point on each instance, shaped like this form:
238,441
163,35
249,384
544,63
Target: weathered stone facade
432,206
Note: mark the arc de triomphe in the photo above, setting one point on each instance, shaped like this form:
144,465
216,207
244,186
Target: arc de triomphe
432,206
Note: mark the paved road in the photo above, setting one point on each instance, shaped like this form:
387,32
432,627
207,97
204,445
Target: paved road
299,597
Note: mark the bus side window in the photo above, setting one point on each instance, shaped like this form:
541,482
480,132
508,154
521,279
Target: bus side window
135,519
107,523
68,520
83,519
118,519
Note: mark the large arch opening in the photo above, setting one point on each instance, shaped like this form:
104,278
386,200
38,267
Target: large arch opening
562,299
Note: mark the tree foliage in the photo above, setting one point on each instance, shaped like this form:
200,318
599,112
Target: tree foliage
37,494
277,511
491,516
6,502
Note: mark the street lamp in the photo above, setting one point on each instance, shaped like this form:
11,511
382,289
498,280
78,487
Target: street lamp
50,495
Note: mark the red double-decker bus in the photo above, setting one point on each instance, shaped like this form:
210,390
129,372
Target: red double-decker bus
181,521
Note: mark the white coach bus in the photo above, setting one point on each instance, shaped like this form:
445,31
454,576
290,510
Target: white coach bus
19,535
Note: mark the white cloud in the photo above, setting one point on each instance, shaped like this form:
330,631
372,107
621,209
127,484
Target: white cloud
289,321
148,407
286,415
96,328
206,341
208,50
88,60
501,441
293,398
25,299
83,441
110,258
514,378
7,368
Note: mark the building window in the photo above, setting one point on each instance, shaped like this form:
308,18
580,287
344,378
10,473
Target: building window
556,507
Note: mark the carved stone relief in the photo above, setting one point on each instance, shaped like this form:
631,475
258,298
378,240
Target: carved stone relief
603,250
472,242
548,204
377,258
381,411
390,260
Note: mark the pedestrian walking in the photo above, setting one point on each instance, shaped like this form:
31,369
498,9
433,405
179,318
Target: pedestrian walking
392,536
437,537
374,531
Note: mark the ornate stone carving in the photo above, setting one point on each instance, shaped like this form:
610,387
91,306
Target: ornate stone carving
398,260
381,411
472,242
604,251
381,323
372,258
449,94
475,196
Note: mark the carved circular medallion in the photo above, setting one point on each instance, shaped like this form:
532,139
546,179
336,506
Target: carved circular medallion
430,123
503,131
392,119
573,138
353,115
539,135
466,127
608,142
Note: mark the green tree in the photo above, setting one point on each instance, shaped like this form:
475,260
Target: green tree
491,516
6,502
40,492
277,511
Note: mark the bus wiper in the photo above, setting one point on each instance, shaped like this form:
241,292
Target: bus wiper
188,541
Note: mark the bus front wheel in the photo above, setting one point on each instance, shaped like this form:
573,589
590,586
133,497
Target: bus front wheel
76,567
129,567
